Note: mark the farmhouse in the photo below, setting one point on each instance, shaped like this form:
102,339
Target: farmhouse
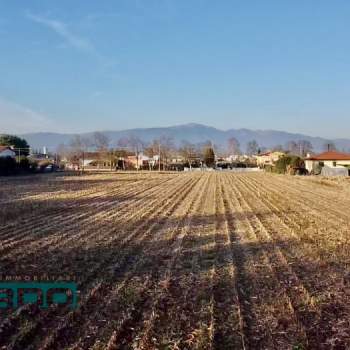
331,159
88,160
6,151
269,158
137,162
237,158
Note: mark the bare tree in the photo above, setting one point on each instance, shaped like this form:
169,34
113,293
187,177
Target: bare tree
76,143
300,148
252,148
163,147
152,150
188,152
79,146
136,145
233,146
123,142
62,151
277,148
167,148
101,141
305,147
292,147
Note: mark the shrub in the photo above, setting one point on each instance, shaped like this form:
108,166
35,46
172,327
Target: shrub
24,164
268,168
286,162
33,166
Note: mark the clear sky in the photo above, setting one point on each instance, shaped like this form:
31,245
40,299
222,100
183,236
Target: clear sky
94,65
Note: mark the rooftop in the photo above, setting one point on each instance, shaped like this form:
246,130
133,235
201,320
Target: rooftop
3,148
331,155
269,153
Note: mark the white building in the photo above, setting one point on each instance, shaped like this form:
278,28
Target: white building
6,151
269,158
330,159
237,158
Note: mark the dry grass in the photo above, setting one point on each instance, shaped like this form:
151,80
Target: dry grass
181,261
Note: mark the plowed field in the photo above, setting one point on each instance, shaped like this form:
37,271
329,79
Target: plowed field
180,260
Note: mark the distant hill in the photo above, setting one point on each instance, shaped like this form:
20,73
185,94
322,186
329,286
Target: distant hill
194,133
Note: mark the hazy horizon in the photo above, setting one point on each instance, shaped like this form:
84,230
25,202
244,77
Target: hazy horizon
171,126
81,67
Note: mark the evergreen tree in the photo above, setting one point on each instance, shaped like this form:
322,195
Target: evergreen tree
21,146
209,157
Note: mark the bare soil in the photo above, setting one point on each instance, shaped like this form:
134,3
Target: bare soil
180,260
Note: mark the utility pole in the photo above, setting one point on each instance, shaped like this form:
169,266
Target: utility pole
18,151
83,166
190,159
137,156
159,154
111,159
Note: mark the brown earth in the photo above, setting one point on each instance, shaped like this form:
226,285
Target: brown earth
180,260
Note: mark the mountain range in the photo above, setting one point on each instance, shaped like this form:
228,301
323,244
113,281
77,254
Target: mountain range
194,133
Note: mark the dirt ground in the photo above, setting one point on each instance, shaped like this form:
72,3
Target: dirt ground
180,260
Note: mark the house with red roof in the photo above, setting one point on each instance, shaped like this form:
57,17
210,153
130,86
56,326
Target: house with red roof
330,159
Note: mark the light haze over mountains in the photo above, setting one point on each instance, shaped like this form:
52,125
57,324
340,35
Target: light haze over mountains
194,133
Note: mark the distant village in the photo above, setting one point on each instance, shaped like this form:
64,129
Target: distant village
133,154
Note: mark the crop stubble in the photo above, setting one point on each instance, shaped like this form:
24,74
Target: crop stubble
180,261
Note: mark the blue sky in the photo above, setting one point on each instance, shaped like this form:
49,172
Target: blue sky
72,66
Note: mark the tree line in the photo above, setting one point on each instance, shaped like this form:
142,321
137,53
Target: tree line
163,147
